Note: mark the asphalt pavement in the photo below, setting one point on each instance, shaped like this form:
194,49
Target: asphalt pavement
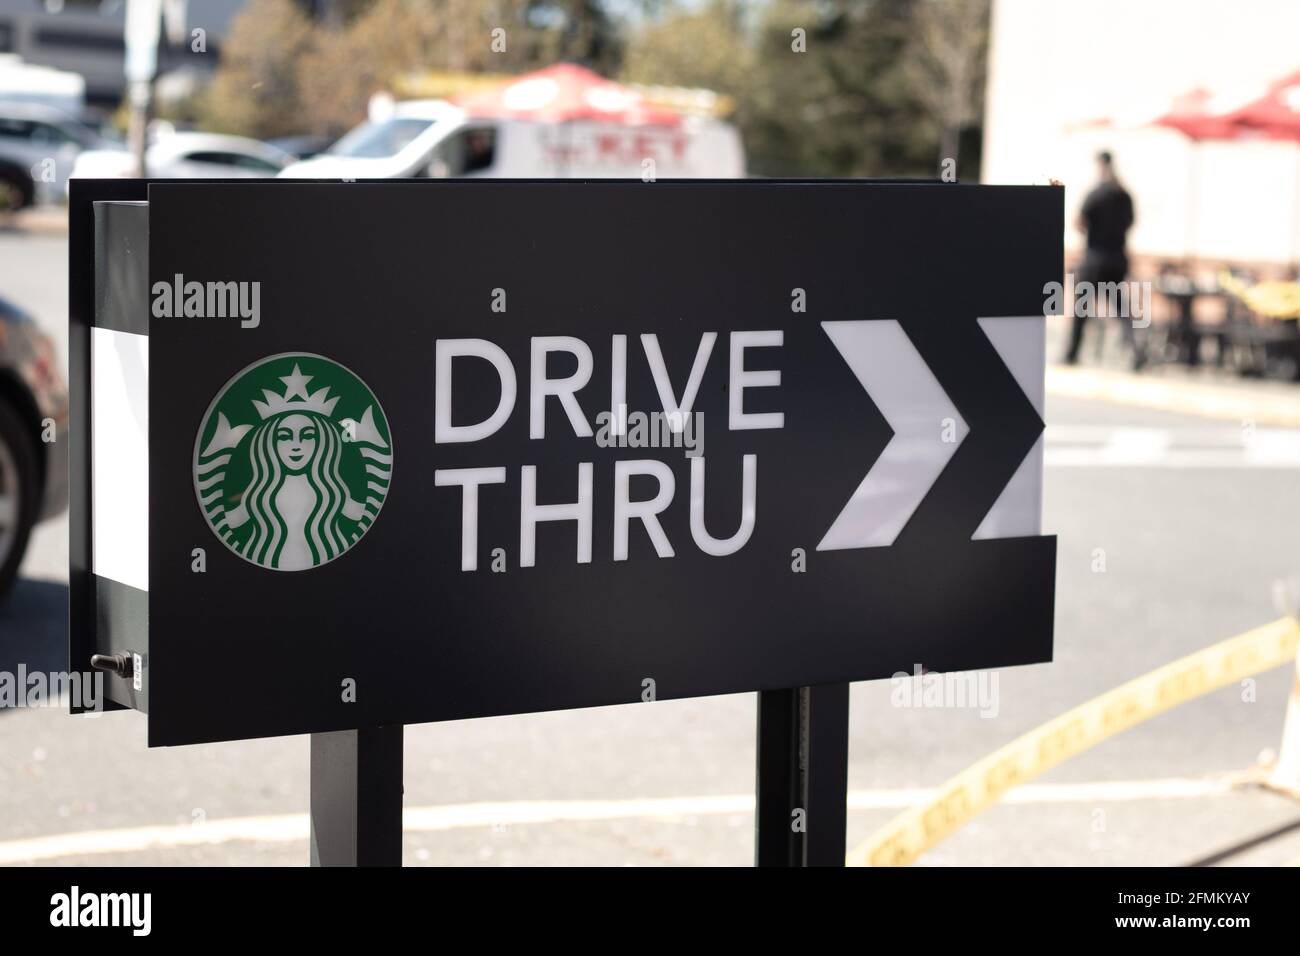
1195,526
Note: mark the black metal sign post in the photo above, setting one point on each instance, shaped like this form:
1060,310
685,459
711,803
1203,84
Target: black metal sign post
356,797
435,450
801,791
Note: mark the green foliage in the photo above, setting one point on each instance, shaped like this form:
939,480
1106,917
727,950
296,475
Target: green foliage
257,91
707,47
867,88
281,73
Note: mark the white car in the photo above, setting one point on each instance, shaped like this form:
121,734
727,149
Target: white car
187,156
403,144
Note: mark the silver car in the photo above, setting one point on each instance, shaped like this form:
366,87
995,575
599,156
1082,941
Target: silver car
38,146
33,436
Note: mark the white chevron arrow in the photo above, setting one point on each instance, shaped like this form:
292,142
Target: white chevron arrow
1021,343
927,431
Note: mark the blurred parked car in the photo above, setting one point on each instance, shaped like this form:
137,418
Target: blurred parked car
38,145
303,147
33,407
188,156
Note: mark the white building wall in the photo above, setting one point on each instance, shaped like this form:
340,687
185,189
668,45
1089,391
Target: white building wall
1070,77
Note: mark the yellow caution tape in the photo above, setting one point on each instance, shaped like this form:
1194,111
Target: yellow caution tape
914,831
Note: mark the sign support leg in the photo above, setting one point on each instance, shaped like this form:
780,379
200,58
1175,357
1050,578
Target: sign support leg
356,797
802,780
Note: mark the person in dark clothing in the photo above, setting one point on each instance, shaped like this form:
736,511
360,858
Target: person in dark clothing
1105,220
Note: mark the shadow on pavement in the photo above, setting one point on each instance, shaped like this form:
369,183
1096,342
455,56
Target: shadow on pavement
34,627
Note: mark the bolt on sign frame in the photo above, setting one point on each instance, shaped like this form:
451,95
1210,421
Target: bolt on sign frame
840,479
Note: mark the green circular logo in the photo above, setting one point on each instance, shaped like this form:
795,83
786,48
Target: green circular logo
293,461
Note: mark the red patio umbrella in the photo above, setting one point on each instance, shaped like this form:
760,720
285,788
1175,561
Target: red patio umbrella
1276,114
565,93
1192,115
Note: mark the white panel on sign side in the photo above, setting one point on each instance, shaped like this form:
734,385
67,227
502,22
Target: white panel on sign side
119,456
1021,343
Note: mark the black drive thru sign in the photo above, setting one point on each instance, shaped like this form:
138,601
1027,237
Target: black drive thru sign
422,451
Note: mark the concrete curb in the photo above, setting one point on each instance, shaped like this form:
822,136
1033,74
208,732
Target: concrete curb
1261,403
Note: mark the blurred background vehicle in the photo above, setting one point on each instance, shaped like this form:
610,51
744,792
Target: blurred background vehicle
304,146
33,401
38,146
561,121
187,155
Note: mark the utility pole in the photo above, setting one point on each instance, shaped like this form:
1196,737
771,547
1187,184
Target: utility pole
143,29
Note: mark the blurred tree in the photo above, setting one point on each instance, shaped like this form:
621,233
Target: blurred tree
347,64
287,75
578,31
333,12
256,89
706,47
844,106
536,33
947,62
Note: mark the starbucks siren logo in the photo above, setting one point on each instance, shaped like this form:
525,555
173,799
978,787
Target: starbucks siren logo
292,461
